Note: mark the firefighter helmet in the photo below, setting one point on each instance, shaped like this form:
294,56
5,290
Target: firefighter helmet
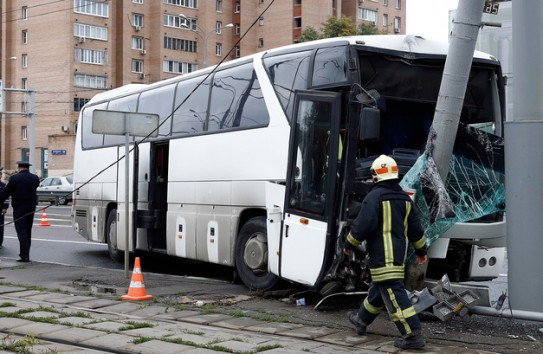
384,168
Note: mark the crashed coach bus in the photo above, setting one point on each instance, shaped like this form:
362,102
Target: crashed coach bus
262,163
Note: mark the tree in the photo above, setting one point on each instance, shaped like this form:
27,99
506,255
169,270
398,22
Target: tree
334,27
309,34
367,28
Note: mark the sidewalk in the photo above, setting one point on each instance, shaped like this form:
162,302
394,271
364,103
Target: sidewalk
80,322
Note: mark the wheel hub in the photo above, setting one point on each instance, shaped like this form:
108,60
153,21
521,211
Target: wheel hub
256,253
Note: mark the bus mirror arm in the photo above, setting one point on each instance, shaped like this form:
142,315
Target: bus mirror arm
370,122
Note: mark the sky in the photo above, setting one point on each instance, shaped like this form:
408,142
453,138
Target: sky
429,18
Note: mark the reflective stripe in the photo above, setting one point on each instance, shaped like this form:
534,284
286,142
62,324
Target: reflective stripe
420,243
372,309
387,273
407,211
382,170
352,240
387,234
398,315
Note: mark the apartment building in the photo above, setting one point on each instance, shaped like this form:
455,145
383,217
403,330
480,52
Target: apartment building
66,52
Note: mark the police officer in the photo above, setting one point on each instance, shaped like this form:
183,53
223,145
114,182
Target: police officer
22,190
387,221
5,207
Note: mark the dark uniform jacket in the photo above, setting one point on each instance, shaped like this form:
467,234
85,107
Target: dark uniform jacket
22,189
388,221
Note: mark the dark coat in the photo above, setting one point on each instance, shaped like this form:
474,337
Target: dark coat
22,190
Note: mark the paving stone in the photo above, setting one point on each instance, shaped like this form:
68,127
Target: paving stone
39,328
237,322
148,311
273,327
155,332
109,326
95,303
41,315
68,299
121,307
73,334
177,315
238,346
202,339
11,309
110,341
157,346
8,323
75,321
4,289
309,332
206,319
24,293
345,338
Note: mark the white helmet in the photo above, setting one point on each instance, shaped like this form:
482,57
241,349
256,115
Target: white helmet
384,168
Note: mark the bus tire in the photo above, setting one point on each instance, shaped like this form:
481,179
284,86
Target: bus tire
62,201
111,234
251,255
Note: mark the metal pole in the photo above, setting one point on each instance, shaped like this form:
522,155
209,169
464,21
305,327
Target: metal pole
205,37
32,132
455,79
524,161
126,191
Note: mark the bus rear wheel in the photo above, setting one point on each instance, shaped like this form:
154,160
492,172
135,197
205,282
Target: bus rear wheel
111,234
252,255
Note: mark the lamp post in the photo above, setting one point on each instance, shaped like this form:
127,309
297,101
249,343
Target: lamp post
203,34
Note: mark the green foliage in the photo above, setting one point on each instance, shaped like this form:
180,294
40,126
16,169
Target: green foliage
366,28
341,27
309,34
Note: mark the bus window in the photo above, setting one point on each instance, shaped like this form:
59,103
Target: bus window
88,138
124,104
288,72
159,101
330,67
191,115
236,100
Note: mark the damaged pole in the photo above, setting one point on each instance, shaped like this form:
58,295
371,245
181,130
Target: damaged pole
524,162
453,85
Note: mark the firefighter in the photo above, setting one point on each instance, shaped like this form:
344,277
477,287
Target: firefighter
388,221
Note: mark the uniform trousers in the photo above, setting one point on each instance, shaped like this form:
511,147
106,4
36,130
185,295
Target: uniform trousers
24,218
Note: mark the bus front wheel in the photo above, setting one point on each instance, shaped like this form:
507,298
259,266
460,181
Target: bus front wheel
111,234
252,255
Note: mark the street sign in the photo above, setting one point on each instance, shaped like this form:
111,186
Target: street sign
58,152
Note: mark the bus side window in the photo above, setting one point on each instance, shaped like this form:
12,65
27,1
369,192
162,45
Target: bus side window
190,117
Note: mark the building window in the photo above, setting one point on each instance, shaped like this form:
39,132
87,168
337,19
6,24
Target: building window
91,56
218,27
385,20
397,24
183,45
137,1
79,103
137,66
237,29
24,83
260,42
177,67
218,49
237,52
367,15
297,22
24,59
137,20
89,31
24,14
385,2
184,3
24,132
297,2
237,7
25,37
261,21
218,5
398,4
90,81
137,42
89,7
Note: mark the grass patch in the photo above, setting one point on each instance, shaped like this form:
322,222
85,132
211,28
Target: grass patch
135,325
22,345
7,304
142,339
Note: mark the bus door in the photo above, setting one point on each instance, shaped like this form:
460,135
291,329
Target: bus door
310,188
154,219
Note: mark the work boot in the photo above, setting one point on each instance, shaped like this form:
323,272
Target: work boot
359,326
414,342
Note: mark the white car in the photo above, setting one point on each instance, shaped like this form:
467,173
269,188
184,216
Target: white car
56,189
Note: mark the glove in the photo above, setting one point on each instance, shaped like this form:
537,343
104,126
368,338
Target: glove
348,246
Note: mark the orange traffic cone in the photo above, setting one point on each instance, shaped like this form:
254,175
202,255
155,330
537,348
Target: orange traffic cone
44,221
136,291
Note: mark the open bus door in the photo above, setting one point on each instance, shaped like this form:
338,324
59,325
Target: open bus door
310,189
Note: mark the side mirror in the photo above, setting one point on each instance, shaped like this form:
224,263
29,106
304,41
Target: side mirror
370,124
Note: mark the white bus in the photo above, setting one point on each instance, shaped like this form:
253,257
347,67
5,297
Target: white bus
260,164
